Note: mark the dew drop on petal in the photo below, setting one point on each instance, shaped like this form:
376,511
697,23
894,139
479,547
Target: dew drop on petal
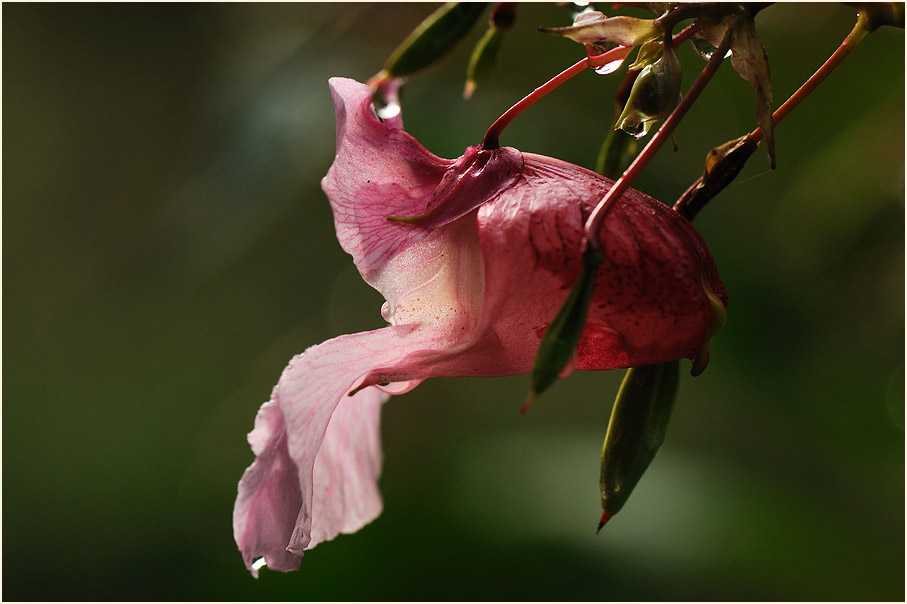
259,564
386,313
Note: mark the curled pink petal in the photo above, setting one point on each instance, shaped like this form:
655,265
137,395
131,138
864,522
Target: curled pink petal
268,496
318,456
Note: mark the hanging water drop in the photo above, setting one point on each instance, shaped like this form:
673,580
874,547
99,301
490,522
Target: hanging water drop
386,313
636,126
386,98
609,67
259,564
388,111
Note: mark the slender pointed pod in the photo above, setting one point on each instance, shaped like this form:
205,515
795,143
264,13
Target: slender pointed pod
432,39
637,428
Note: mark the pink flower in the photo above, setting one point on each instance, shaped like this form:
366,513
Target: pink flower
471,286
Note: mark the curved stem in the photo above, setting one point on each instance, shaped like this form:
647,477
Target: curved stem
736,153
596,219
492,136
850,42
490,141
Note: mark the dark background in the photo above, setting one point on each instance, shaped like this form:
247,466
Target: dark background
167,249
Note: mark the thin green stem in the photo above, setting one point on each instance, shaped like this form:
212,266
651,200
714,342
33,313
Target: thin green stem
596,219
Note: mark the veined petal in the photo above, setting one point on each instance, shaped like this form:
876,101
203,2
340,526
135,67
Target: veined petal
268,498
426,272
317,449
345,494
379,171
649,305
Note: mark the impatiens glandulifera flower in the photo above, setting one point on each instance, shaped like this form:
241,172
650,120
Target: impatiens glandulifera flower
474,257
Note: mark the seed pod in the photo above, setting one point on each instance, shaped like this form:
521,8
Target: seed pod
559,343
637,428
655,94
433,38
485,53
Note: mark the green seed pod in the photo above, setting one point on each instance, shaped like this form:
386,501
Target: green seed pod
433,38
654,95
562,336
637,428
485,53
648,53
483,59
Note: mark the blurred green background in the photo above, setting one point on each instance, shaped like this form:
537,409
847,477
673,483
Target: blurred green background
167,249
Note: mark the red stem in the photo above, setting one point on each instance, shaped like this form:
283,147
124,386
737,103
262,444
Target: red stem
494,132
850,42
492,136
595,220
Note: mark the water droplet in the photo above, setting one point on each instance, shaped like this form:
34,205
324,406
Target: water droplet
389,110
386,98
386,313
583,11
610,67
636,126
259,564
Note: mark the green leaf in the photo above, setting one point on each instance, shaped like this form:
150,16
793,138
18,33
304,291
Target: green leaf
559,342
433,38
636,431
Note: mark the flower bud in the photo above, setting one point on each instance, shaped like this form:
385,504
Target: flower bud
654,96
637,428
